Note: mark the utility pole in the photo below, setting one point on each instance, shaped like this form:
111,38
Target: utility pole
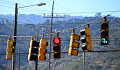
19,59
15,34
51,32
51,35
84,60
36,63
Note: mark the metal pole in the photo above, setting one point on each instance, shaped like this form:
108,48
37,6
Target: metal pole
51,36
54,64
36,63
19,59
15,34
83,60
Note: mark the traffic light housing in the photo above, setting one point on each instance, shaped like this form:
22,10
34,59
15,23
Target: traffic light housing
42,49
57,47
86,39
9,49
33,50
104,33
73,44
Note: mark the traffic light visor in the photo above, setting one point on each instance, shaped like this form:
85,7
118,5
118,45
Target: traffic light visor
104,33
82,32
83,39
56,47
104,25
84,47
57,55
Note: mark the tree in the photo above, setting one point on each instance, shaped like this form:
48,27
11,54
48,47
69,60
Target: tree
47,21
98,14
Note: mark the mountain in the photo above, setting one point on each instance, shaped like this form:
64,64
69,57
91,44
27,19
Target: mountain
33,19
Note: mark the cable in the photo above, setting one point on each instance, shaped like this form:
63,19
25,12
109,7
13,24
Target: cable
115,12
15,36
5,6
4,35
92,21
7,1
13,21
25,18
84,12
67,52
84,24
79,26
87,12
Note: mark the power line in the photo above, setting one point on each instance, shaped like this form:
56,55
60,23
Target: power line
79,26
88,12
26,18
7,1
11,3
67,52
5,6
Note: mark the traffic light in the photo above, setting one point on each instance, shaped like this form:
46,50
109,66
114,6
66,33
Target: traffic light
33,50
57,47
73,44
9,49
42,49
86,39
104,33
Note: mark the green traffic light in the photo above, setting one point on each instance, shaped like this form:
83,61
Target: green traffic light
104,41
104,32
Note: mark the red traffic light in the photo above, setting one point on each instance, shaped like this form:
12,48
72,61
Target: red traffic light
56,40
57,47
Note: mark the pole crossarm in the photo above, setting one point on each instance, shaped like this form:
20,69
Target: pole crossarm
54,17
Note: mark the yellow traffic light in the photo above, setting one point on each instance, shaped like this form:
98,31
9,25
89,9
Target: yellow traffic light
86,40
33,50
73,44
9,49
42,49
89,47
73,51
87,31
104,33
57,47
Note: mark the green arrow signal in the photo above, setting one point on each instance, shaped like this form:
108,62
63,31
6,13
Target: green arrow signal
104,41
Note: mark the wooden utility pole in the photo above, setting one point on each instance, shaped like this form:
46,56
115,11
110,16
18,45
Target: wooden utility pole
15,34
84,60
51,35
19,59
51,32
36,62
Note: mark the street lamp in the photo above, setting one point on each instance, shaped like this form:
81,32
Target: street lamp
15,34
41,4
